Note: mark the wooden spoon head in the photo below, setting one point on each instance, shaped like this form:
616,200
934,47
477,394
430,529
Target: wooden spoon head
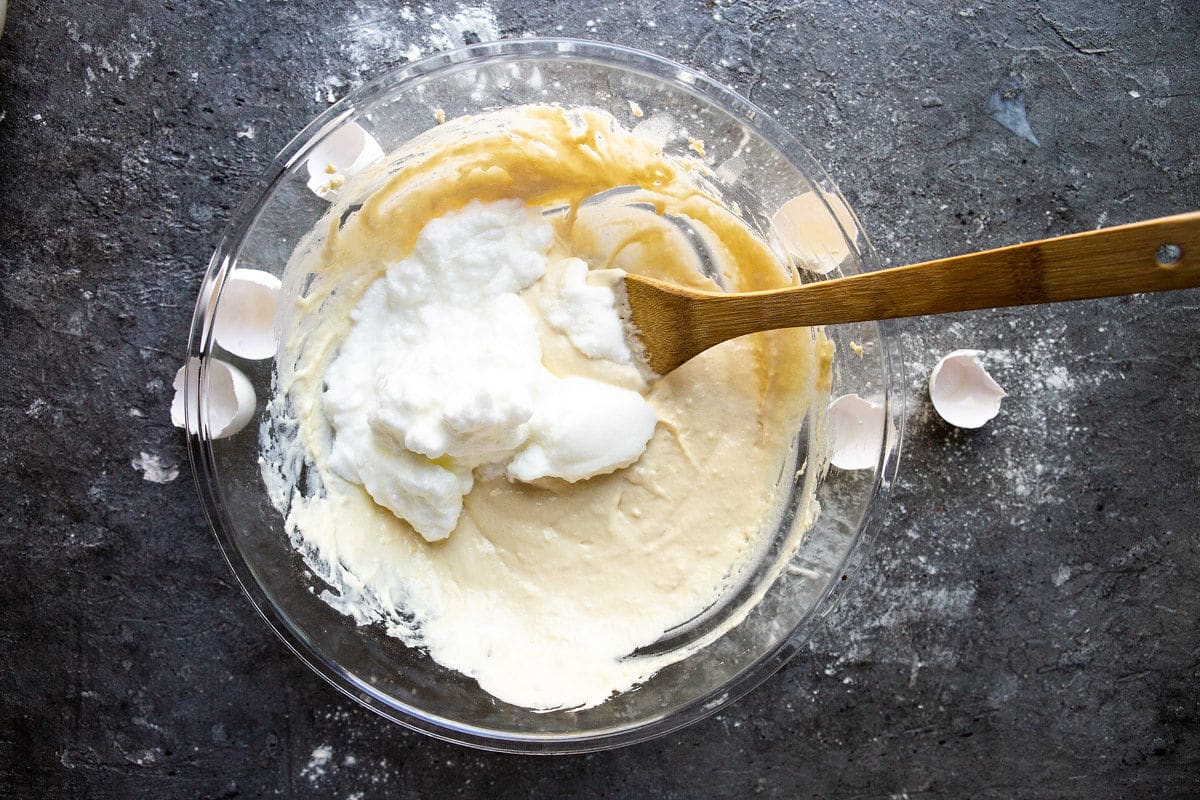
663,322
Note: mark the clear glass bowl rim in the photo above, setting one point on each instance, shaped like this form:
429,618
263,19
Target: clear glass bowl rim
200,346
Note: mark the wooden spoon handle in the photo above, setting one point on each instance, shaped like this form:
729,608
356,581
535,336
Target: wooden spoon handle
1150,256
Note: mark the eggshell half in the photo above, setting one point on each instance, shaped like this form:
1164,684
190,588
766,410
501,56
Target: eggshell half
962,392
229,401
245,320
856,431
811,237
341,155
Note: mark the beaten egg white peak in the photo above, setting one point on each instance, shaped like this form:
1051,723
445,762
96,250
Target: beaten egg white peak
441,373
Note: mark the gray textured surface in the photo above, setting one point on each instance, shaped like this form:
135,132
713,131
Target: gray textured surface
1026,624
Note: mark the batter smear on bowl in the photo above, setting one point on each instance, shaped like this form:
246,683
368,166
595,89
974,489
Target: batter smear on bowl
462,445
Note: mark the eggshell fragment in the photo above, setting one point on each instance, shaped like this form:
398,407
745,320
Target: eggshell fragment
811,237
229,399
856,430
341,155
245,319
962,392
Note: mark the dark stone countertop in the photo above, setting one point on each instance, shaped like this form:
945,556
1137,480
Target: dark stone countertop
1026,624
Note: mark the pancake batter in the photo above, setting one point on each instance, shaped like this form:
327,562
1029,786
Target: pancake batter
542,588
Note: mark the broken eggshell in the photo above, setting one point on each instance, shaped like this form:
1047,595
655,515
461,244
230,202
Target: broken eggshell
228,402
962,392
813,229
342,154
245,318
856,432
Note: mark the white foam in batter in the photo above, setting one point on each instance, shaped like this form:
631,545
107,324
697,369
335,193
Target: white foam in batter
441,373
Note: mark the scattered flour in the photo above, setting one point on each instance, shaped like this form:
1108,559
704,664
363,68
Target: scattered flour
111,61
918,605
317,764
910,607
468,25
1045,389
330,89
1059,379
376,36
37,408
153,469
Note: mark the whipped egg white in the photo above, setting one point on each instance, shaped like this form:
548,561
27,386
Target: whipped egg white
441,373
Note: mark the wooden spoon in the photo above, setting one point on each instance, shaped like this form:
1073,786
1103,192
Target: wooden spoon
675,323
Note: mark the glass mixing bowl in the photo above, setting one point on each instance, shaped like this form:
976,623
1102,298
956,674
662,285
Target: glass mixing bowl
769,180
